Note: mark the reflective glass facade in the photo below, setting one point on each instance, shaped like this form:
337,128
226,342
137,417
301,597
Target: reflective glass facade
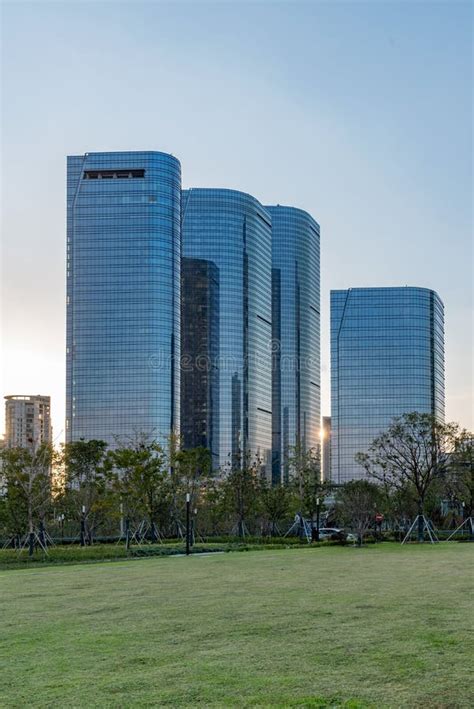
387,359
123,295
296,395
232,232
326,447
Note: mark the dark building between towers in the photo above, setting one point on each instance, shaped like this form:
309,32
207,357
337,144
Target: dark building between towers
199,355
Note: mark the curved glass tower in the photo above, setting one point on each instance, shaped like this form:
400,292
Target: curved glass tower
231,232
123,295
387,359
296,395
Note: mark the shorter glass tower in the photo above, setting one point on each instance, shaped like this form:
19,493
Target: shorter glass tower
226,241
296,392
387,359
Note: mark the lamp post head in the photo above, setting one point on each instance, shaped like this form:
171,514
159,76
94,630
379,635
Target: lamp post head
188,497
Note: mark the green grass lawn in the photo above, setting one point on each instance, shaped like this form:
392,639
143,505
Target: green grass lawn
384,626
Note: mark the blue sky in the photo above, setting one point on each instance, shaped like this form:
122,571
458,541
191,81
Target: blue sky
358,112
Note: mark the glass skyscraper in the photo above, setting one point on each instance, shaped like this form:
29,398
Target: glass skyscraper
226,246
123,295
387,359
296,390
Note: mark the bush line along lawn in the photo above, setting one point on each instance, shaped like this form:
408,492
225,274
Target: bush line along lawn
384,626
74,554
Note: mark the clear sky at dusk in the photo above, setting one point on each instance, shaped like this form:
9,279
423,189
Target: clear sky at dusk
358,112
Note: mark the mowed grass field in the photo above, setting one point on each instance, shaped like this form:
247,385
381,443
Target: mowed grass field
383,626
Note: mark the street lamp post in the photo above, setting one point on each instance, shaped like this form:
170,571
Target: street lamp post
317,517
193,527
188,505
127,533
122,530
83,526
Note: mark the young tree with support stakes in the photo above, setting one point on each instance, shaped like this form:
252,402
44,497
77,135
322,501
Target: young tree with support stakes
192,471
241,490
306,479
461,471
358,501
411,455
87,491
214,507
142,478
275,502
460,480
26,477
399,507
14,518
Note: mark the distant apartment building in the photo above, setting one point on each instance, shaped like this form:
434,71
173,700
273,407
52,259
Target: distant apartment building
123,295
387,359
27,421
227,261
296,373
326,447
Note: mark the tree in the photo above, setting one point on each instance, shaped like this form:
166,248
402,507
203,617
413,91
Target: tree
275,503
26,477
399,507
358,501
88,490
241,490
192,471
460,482
142,480
214,508
13,504
412,454
306,477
